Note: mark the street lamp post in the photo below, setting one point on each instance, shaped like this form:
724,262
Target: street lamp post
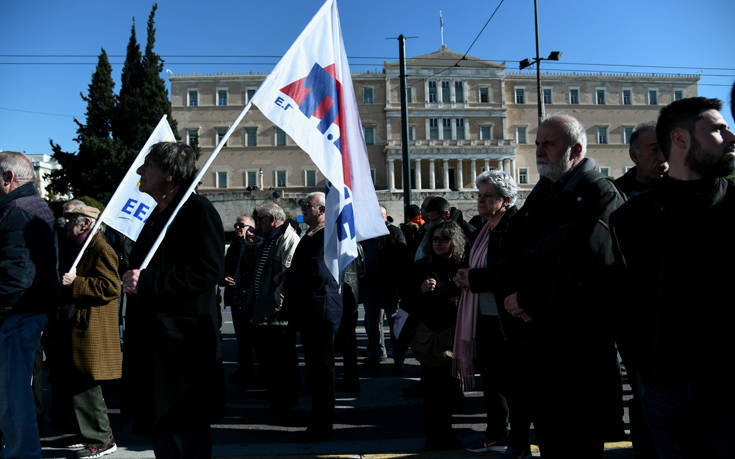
553,56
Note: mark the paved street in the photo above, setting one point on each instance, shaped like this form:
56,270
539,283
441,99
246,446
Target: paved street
378,422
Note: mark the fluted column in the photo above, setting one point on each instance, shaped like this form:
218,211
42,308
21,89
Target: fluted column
473,172
432,175
446,174
417,174
487,164
460,175
391,175
513,168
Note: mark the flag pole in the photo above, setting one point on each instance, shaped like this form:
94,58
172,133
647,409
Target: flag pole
107,210
193,185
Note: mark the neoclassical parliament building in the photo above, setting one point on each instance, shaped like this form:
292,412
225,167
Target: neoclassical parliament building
465,116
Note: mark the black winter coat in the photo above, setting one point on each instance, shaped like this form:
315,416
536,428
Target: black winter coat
559,257
29,282
172,370
676,297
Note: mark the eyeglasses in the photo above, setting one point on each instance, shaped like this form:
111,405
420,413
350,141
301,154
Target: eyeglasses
240,225
440,240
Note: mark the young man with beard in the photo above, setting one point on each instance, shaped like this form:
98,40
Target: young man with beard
678,296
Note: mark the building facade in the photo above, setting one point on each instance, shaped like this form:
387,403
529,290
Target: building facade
465,116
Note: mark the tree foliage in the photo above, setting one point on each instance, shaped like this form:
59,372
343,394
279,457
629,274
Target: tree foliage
116,127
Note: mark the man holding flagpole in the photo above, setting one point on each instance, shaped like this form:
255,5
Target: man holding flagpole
173,379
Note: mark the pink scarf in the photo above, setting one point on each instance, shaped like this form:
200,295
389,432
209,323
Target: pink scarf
464,336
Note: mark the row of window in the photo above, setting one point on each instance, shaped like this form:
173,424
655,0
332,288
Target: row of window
523,173
251,136
280,178
602,135
626,96
222,96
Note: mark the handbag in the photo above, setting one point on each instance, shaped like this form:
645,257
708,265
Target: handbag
432,348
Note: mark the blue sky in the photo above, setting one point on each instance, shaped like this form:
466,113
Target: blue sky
38,100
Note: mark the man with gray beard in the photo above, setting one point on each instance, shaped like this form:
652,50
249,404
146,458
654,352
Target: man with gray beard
557,253
678,310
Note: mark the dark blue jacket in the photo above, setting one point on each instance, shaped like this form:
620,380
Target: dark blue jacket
29,282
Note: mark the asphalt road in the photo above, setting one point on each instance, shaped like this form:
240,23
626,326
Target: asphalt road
379,421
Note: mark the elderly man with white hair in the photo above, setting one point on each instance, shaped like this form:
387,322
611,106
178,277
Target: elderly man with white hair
559,256
28,289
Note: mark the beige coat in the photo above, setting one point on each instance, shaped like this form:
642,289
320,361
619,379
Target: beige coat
95,336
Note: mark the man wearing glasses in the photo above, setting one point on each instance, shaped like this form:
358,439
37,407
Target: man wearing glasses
239,262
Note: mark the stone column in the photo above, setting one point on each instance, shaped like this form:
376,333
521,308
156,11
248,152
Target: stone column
487,164
417,174
432,175
473,172
453,123
391,174
446,174
513,168
460,175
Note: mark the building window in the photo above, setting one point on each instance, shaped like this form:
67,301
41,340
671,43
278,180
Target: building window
251,178
602,135
281,178
221,179
521,134
310,177
192,137
447,128
192,97
412,133
605,171
600,96
220,135
460,128
653,96
486,132
459,91
574,96
547,96
627,96
409,94
251,137
446,96
432,91
484,95
367,95
678,94
433,128
222,97
280,137
520,95
523,176
369,133
249,93
627,132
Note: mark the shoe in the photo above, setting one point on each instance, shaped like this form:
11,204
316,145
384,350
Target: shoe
487,446
75,446
91,452
512,453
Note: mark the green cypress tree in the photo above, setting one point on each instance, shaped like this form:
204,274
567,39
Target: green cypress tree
127,126
154,88
95,166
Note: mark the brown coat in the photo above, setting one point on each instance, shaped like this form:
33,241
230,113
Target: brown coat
95,336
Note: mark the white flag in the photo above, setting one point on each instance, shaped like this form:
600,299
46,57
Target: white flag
309,95
129,208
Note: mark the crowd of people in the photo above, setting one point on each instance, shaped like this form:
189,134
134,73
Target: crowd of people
542,301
